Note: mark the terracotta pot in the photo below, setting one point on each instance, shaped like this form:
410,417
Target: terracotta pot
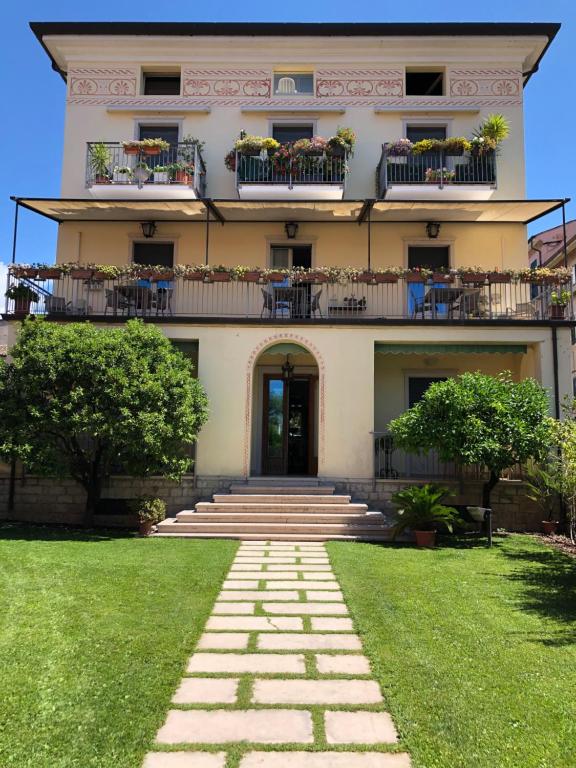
386,277
414,277
473,277
162,276
49,274
81,274
316,277
101,276
365,277
249,277
181,177
425,539
151,150
25,272
22,306
131,150
147,274
442,277
146,528
99,179
198,276
498,277
274,277
549,527
220,277
557,312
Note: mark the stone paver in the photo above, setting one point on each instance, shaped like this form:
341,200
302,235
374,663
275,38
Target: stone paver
247,663
316,692
342,664
279,601
226,641
325,760
302,609
234,608
294,642
185,760
323,624
206,690
218,726
360,728
253,623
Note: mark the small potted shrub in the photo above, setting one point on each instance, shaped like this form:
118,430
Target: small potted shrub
141,172
220,274
246,274
150,511
194,273
23,296
131,147
558,302
154,146
161,174
99,162
121,174
181,173
46,272
544,487
421,511
398,151
456,145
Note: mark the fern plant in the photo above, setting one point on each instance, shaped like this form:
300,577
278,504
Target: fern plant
420,509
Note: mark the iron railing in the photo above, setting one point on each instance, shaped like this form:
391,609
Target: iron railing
437,169
310,300
315,170
109,163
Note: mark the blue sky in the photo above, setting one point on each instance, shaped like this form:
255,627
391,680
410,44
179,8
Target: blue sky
32,137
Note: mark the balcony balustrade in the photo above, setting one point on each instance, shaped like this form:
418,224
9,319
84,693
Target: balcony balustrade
275,299
115,171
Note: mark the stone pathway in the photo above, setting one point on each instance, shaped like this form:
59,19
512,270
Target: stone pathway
279,667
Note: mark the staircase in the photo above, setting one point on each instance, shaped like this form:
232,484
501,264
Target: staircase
281,509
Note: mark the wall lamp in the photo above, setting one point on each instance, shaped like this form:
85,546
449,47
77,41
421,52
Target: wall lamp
287,369
148,228
433,229
291,228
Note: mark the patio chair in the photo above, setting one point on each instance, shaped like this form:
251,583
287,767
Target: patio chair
273,307
524,309
315,304
78,307
162,300
116,301
55,305
420,304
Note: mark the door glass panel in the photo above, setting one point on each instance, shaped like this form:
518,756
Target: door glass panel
275,426
288,133
298,414
418,132
167,132
280,257
154,254
429,257
418,385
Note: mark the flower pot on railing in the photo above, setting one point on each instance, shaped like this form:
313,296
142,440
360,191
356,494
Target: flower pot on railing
81,274
274,277
49,274
159,276
476,278
249,277
416,277
499,277
220,277
146,274
131,148
197,275
101,276
386,277
29,272
442,277
151,150
364,277
557,312
315,277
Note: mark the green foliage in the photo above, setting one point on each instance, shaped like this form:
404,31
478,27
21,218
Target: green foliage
544,485
21,291
478,419
79,400
564,466
495,128
419,509
99,159
150,509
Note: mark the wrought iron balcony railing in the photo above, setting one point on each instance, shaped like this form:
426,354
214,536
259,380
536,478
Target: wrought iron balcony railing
111,164
216,296
436,169
298,171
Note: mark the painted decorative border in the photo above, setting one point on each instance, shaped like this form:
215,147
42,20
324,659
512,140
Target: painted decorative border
255,354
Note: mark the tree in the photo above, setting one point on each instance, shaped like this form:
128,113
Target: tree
478,419
562,463
77,400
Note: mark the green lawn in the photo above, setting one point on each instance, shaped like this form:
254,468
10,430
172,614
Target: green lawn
94,635
475,649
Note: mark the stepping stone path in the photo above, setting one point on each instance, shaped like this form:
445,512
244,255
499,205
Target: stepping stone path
279,666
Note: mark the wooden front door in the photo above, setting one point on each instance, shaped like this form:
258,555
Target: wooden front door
288,425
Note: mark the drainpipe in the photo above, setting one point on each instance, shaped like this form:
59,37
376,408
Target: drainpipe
15,235
555,366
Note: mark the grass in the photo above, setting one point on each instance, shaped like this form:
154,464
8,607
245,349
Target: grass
95,631
475,649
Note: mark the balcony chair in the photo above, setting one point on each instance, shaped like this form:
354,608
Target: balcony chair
55,305
116,301
315,305
524,309
162,301
274,307
420,304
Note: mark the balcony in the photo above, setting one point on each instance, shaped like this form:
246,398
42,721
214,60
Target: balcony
302,178
199,294
121,170
436,176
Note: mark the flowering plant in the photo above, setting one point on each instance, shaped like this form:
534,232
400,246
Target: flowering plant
399,148
439,174
481,145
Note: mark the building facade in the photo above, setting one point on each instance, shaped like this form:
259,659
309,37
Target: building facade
381,266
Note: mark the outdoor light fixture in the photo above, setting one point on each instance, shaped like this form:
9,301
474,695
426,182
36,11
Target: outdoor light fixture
433,229
291,228
148,228
287,369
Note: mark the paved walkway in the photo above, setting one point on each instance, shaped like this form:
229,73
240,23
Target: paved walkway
279,667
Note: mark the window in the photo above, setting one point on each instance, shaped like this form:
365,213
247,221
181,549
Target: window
418,132
288,132
293,83
154,254
418,385
161,84
435,257
286,257
420,82
169,133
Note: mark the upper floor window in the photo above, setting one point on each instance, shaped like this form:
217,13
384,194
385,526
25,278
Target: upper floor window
424,82
288,132
161,84
418,132
293,83
290,257
169,133
153,254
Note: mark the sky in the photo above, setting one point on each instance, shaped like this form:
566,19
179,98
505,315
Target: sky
35,95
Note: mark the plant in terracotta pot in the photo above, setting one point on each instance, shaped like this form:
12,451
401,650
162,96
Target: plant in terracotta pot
475,275
105,272
456,145
421,511
100,162
544,488
150,511
181,173
192,272
154,146
246,274
220,274
23,296
131,147
48,272
558,302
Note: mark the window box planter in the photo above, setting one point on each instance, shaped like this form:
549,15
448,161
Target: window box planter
159,276
101,276
249,277
121,178
151,150
131,149
416,277
442,277
146,274
499,277
25,272
315,277
220,277
22,306
196,276
274,277
161,177
365,277
477,278
81,274
386,277
49,274
557,312
182,177
425,539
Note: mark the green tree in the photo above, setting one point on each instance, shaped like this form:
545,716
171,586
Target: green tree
478,419
77,400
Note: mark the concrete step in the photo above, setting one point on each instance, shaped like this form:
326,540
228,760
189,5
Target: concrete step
285,488
269,530
276,498
175,530
211,507
290,519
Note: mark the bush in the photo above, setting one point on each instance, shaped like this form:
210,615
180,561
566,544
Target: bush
150,509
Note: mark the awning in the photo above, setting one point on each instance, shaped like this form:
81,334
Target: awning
450,349
266,211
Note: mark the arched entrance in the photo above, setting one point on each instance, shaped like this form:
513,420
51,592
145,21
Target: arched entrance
285,411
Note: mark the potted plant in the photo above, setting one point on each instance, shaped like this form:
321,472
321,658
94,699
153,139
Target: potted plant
99,162
456,145
494,129
544,487
442,277
274,275
23,296
105,272
418,275
78,272
131,147
162,273
46,272
150,511
439,175
365,277
161,174
121,174
246,274
500,277
154,146
421,511
23,270
398,151
474,275
428,147
386,275
194,273
141,172
558,302
181,173
220,274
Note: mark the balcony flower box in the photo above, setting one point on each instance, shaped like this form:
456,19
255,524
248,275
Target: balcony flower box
386,277
274,277
315,277
499,277
252,276
146,274
557,311
49,274
220,277
101,276
197,275
131,147
476,278
159,276
29,272
416,277
81,274
442,277
154,146
365,277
